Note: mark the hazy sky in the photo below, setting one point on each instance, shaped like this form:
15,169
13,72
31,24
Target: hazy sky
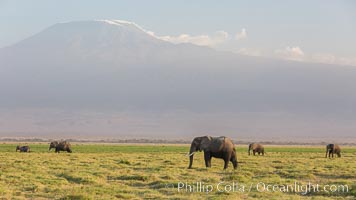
321,31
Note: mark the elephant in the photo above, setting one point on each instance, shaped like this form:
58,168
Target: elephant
256,148
53,145
217,147
60,146
333,148
23,149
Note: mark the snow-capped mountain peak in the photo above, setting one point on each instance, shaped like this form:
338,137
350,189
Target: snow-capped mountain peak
116,22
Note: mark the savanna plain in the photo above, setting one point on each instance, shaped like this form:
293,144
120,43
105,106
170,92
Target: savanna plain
135,171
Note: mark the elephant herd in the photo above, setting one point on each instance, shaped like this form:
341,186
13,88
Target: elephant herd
217,147
57,145
223,148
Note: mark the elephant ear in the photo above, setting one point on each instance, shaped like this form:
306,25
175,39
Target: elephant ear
212,144
205,143
196,144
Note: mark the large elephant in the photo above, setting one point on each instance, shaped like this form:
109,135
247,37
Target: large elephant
60,146
333,148
217,147
256,148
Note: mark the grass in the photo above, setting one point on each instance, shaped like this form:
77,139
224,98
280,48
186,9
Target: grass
103,171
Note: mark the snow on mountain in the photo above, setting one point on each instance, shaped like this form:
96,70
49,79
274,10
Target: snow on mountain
112,41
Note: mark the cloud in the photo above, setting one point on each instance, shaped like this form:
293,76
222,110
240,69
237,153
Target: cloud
290,53
212,40
332,59
202,40
151,33
297,54
222,40
241,35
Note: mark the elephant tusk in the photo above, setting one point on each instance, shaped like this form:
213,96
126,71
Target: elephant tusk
190,154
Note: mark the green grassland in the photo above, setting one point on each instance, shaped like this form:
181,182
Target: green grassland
107,171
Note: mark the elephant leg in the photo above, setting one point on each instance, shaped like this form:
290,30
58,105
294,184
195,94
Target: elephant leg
207,158
226,164
227,158
254,152
234,161
210,160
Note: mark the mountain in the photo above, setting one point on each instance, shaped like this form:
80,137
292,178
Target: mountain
111,78
112,42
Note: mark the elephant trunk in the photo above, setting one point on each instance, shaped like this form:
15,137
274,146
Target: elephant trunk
191,155
249,149
190,162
